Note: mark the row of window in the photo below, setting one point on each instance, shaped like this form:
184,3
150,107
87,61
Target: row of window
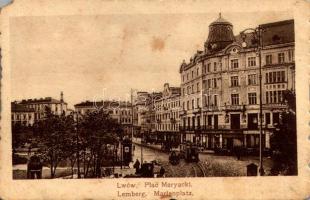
43,106
168,106
125,120
168,127
207,67
275,77
21,117
191,105
210,83
212,120
280,57
209,101
271,77
252,99
274,96
192,74
116,111
166,116
234,63
191,89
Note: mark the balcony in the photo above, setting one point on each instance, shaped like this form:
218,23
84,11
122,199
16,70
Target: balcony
211,108
274,105
182,112
228,108
172,120
191,128
186,128
197,111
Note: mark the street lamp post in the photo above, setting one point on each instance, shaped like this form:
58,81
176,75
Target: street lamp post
257,39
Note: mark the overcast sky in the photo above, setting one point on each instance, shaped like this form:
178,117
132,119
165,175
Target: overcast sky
86,55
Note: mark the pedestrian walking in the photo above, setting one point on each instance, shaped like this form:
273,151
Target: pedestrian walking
137,166
237,148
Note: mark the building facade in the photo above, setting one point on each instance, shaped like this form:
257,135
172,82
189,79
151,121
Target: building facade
22,115
167,115
39,106
120,111
220,86
144,115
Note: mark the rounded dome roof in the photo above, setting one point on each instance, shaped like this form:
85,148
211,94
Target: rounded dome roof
220,21
220,34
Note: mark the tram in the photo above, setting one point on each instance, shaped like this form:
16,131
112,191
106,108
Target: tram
189,152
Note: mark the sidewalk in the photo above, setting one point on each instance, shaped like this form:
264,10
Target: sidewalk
137,141
158,147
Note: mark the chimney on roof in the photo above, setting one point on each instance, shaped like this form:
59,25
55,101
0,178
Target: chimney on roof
61,96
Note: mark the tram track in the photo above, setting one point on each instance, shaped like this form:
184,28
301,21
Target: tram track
199,170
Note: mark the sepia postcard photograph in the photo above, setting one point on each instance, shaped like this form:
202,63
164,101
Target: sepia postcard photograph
147,102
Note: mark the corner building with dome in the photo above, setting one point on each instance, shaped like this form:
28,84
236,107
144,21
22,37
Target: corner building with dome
220,86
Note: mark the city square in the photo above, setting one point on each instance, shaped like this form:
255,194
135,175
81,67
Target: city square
233,113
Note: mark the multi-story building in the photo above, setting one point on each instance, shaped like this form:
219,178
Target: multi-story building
57,107
220,85
140,108
167,115
118,110
144,114
21,114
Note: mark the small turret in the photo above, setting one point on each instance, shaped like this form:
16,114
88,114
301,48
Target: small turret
61,96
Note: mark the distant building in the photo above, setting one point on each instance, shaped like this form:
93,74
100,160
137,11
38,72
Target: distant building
57,107
144,114
120,111
167,115
220,86
21,114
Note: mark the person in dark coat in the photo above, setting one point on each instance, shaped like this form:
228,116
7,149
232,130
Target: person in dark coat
137,166
162,171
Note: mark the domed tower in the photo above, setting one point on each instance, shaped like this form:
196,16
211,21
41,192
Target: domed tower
220,35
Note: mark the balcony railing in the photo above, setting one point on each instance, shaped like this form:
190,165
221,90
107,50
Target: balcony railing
234,108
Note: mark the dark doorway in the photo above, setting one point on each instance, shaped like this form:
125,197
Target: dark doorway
230,143
209,141
276,118
216,122
209,120
253,121
235,121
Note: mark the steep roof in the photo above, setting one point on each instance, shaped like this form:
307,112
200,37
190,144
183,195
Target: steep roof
41,100
220,21
278,32
175,90
274,33
105,104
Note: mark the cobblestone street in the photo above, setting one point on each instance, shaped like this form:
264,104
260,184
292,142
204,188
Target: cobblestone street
208,166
